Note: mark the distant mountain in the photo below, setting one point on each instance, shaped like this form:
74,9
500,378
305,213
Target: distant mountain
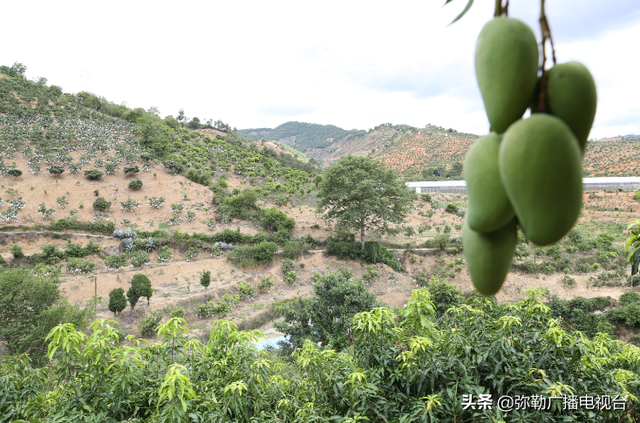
415,153
302,136
430,153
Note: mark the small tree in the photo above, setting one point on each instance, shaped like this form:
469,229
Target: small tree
194,123
117,301
205,279
56,170
93,174
326,316
141,285
101,204
133,297
14,172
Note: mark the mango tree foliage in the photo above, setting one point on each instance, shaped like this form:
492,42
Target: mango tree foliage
407,367
325,318
31,305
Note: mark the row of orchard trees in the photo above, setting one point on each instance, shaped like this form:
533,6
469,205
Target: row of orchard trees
409,366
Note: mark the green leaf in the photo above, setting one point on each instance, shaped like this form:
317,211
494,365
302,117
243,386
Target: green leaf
465,10
636,261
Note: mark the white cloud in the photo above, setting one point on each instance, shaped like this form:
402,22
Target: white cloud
354,64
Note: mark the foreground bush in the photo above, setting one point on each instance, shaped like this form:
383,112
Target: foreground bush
405,367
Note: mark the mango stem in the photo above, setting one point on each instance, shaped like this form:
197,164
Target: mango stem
498,9
546,35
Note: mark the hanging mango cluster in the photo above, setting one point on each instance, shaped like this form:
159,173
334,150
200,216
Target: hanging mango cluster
525,173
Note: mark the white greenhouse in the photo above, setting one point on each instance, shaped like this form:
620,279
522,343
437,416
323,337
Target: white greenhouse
631,183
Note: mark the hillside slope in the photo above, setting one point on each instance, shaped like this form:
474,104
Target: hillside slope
430,153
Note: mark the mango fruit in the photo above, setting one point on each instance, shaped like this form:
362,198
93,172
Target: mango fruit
489,255
571,96
506,65
541,170
489,207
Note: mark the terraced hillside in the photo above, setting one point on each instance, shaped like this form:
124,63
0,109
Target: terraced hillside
97,193
433,152
615,157
414,153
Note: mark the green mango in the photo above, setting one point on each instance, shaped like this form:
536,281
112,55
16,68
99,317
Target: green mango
489,207
571,96
489,255
541,169
506,63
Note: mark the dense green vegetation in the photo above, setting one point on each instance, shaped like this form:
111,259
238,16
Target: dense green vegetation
408,365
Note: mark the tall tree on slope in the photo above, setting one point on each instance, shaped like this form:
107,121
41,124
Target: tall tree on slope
360,193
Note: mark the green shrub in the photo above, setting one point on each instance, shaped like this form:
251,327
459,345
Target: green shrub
165,254
444,295
554,251
173,166
617,315
342,249
17,252
282,200
246,290
282,236
149,324
209,309
135,184
56,170
193,253
116,261
80,266
370,276
265,284
74,250
101,204
582,267
264,252
248,255
287,265
441,241
93,174
50,255
290,278
131,169
569,281
452,208
632,315
139,258
294,249
629,297
559,307
592,324
373,253
178,312
260,237
276,220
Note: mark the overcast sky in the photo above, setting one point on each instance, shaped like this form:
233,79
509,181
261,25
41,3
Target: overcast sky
354,64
